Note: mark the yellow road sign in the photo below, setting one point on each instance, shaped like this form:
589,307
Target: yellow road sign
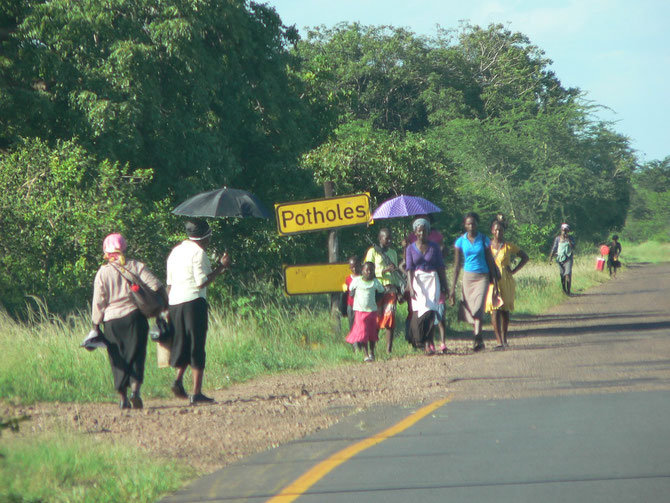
316,278
319,214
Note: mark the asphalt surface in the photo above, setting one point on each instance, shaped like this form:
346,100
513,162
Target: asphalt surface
576,411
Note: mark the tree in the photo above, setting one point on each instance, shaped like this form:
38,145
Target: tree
201,93
56,205
378,73
502,134
197,91
649,214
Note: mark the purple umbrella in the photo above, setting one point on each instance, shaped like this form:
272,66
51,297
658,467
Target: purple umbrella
404,206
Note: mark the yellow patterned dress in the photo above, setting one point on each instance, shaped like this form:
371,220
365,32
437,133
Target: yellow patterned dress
506,283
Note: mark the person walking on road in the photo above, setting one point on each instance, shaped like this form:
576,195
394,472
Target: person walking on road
563,249
189,273
613,262
436,237
355,271
427,285
478,272
503,252
125,327
367,291
385,260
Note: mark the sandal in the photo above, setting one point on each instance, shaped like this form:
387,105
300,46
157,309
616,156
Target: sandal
443,349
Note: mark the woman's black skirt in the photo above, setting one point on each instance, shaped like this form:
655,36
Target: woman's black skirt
421,329
190,334
127,348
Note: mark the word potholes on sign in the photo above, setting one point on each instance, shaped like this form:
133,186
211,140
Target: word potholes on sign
319,214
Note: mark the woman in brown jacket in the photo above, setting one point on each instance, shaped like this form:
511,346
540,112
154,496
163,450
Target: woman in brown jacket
125,327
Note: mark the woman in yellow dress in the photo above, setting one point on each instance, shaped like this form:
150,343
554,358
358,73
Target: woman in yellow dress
503,253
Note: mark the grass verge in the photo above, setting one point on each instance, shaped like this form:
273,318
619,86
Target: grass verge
65,467
650,251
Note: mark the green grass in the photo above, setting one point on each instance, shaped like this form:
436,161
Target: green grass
650,251
539,285
64,467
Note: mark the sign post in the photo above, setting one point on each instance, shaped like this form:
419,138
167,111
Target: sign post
331,213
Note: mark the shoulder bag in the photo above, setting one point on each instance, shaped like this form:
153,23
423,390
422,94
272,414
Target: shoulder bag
148,301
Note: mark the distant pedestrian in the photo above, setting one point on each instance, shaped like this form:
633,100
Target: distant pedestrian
503,252
189,273
613,262
479,271
564,248
366,291
125,327
387,272
427,286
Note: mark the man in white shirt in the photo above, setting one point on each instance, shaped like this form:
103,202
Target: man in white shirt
189,272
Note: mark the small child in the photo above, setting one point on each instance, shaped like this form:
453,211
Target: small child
366,291
355,268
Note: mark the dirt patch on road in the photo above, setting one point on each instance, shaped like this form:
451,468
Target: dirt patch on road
610,339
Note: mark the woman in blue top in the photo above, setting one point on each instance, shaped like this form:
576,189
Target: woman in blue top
474,248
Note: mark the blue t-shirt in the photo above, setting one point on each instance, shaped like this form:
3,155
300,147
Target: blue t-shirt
474,259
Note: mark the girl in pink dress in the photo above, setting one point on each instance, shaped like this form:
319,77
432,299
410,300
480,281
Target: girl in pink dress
366,291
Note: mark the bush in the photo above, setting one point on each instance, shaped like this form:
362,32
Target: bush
57,204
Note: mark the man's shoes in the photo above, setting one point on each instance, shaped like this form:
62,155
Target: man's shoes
124,404
200,398
136,400
178,389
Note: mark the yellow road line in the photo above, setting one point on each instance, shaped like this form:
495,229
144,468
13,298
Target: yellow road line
311,477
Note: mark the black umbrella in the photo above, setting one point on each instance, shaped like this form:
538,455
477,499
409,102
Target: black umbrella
223,202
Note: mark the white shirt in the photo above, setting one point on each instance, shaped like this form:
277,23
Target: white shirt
187,268
365,293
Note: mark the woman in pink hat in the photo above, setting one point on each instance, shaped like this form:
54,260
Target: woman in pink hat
125,327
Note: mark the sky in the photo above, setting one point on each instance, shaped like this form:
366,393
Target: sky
616,51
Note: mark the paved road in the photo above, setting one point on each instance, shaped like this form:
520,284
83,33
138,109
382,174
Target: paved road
593,448
583,417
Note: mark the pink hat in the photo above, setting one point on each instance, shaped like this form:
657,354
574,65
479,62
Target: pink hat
114,243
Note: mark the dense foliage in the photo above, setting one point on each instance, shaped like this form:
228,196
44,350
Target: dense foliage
649,215
113,112
472,119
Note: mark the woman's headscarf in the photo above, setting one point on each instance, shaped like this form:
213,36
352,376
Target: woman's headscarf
113,247
419,222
